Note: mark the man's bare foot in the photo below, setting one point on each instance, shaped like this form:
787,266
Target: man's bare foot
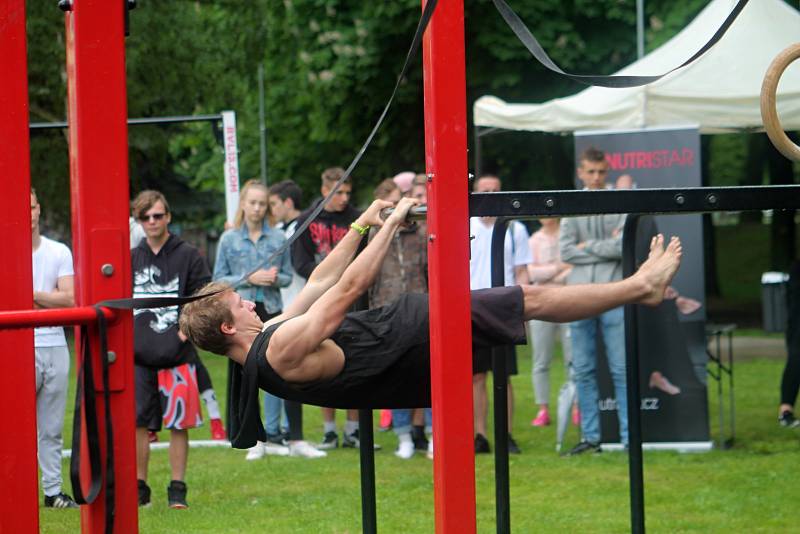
659,269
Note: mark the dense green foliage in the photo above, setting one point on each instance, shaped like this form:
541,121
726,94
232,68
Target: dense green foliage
329,66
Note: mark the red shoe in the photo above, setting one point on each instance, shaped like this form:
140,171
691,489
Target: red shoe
152,437
542,418
218,430
576,416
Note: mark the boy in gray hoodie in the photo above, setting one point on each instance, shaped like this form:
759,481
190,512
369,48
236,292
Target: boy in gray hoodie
593,246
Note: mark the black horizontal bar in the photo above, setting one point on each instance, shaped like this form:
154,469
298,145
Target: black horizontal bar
145,120
522,204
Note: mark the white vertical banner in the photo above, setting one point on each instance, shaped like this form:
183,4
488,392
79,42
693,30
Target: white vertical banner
231,165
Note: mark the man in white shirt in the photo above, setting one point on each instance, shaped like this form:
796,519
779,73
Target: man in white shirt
53,287
517,255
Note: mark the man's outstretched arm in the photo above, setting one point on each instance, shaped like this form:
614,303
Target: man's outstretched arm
295,346
330,269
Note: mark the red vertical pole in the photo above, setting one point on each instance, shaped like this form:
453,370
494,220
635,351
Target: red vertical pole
448,226
98,141
19,511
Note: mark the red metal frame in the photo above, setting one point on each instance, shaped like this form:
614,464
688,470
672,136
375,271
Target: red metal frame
98,138
19,507
52,317
448,226
98,165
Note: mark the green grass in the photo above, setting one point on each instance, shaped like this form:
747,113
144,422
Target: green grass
751,487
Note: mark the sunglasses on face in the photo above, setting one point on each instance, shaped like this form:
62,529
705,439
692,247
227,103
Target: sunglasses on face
153,216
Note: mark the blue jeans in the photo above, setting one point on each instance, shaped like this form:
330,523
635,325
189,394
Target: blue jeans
401,420
273,415
583,336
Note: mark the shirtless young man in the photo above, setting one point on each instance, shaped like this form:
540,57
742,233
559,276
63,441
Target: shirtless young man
317,353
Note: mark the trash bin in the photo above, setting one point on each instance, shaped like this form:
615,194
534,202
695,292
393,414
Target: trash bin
774,304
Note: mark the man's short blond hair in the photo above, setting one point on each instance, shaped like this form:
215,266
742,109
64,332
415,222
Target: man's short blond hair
201,320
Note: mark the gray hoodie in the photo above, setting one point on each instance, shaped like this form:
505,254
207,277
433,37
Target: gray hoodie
601,258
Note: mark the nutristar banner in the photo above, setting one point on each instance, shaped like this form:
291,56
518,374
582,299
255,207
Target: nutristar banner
672,352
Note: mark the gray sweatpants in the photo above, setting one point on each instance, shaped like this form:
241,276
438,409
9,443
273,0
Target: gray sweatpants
543,336
52,373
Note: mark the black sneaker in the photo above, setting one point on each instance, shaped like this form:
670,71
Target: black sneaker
584,446
329,441
513,448
481,444
419,439
176,495
144,493
352,441
60,500
787,419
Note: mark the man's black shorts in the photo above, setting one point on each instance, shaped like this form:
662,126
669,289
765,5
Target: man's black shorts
482,359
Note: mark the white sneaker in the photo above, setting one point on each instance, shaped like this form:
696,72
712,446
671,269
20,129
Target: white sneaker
405,450
305,450
430,448
276,449
256,452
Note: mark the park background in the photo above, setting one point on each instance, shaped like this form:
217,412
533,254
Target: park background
329,67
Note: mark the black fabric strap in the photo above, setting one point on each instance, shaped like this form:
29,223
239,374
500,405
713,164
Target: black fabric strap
536,50
85,397
85,400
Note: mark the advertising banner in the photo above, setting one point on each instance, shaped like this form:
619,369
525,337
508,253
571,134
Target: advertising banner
672,354
231,165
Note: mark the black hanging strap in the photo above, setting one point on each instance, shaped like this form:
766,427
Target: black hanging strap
85,397
536,50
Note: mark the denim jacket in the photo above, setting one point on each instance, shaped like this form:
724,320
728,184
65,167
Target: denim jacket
237,256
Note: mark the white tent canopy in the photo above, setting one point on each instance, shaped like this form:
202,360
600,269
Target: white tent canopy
719,92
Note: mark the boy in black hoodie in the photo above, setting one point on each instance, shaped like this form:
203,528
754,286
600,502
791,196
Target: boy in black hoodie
166,381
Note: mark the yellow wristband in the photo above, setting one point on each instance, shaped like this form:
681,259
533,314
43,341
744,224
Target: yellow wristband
362,230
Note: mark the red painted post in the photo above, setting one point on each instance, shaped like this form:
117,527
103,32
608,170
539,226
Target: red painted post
448,226
19,509
98,139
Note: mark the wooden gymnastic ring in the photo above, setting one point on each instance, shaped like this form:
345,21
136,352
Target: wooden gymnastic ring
769,111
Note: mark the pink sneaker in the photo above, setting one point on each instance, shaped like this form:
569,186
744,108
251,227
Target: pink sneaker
385,420
542,418
576,416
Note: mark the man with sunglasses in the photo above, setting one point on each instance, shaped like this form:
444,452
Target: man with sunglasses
163,265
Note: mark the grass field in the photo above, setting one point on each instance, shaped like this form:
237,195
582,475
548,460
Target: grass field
752,487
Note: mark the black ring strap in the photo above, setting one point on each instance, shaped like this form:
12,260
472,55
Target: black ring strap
536,50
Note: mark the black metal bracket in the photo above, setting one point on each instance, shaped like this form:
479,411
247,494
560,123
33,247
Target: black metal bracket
529,204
